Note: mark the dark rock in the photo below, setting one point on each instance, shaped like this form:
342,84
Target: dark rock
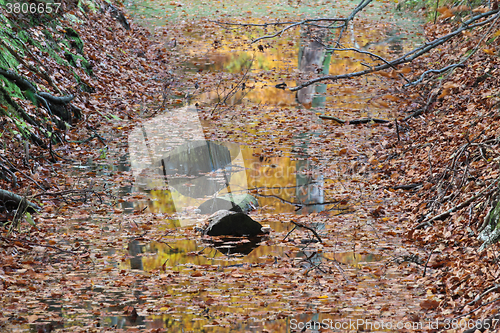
227,223
213,205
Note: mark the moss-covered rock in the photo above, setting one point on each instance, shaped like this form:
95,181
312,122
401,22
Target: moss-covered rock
491,233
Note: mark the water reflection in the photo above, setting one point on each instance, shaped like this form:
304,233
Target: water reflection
187,255
313,58
182,172
232,246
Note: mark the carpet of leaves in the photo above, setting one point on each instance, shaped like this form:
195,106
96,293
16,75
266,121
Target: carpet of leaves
452,151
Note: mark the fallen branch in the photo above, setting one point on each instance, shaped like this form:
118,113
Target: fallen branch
356,121
457,207
333,118
6,196
486,292
410,56
308,228
297,204
414,114
62,195
368,120
405,187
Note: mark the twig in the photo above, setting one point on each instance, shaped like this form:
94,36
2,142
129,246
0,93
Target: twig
416,113
426,263
235,88
376,56
296,24
436,11
308,228
288,234
405,187
356,121
21,172
297,204
397,128
457,207
486,292
434,71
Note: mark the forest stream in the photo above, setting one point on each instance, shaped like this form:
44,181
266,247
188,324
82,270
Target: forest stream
243,134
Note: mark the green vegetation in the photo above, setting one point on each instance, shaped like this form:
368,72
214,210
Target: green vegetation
23,33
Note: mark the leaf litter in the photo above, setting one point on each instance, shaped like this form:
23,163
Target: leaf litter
91,267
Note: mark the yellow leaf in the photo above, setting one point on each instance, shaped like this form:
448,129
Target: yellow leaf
391,97
404,70
489,51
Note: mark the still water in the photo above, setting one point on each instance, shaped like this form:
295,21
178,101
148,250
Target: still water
180,164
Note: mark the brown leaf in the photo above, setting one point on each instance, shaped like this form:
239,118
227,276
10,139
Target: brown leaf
429,304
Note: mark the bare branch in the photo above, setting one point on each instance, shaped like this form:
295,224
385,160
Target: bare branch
359,51
290,25
410,56
488,190
376,56
459,64
308,228
478,297
265,25
434,71
279,33
356,10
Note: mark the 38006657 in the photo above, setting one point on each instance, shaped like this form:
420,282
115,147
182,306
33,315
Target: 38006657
32,8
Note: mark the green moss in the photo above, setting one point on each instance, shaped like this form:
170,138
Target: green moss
76,60
83,63
24,36
86,5
74,39
8,61
83,86
50,40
